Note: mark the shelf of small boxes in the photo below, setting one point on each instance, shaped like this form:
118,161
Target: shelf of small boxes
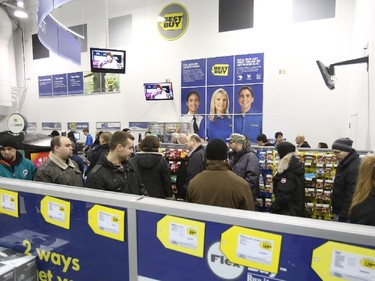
174,158
320,168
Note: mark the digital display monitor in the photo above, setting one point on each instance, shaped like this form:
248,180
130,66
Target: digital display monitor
327,74
107,60
77,136
158,91
38,158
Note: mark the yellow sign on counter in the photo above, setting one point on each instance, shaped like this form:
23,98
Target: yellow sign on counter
337,261
9,203
56,211
107,222
182,235
252,248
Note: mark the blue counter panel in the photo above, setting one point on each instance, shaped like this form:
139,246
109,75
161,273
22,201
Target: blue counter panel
164,264
65,254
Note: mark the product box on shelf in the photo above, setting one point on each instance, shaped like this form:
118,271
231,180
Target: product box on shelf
24,266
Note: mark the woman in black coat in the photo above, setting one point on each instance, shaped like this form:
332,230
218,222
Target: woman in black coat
362,209
289,183
154,169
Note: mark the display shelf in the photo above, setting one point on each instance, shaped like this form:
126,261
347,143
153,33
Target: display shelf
164,130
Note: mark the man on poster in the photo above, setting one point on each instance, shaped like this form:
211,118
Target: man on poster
247,122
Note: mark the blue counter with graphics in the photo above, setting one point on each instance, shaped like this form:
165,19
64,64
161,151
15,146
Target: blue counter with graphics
81,234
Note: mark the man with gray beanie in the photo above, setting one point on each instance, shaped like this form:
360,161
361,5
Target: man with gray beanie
244,161
218,185
345,179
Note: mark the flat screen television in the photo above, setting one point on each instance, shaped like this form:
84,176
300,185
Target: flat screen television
327,73
107,60
158,91
77,136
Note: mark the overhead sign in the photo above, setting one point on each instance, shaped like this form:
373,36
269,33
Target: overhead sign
173,21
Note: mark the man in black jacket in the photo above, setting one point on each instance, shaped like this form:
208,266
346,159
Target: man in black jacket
196,164
116,171
345,179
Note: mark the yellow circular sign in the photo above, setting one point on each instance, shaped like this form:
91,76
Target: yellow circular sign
173,21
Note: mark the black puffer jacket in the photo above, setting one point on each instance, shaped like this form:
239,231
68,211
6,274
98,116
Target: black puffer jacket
289,187
125,179
154,171
344,185
364,212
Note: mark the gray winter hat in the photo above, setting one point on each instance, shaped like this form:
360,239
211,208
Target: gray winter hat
343,144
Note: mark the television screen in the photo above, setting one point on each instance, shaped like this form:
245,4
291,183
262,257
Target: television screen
158,91
326,73
38,158
107,60
77,136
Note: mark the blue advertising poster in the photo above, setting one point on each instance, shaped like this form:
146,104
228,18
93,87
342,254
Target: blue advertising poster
45,86
240,79
249,68
220,71
193,73
78,125
75,83
59,86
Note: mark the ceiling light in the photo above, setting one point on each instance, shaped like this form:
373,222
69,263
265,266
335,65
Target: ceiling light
19,10
20,13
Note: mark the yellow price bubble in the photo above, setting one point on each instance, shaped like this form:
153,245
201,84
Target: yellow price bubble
62,209
266,245
192,232
12,199
115,219
366,262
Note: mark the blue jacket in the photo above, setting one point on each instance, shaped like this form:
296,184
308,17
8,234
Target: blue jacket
220,128
22,168
248,125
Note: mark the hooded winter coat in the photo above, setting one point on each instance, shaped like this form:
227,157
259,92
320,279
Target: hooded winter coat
344,185
289,187
219,186
245,163
154,171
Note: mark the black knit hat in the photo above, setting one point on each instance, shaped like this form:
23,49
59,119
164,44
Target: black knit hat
8,141
343,144
217,150
284,148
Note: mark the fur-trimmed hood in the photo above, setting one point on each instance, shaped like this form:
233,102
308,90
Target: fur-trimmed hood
290,162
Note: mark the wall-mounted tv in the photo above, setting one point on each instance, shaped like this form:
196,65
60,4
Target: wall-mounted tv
327,73
158,91
107,60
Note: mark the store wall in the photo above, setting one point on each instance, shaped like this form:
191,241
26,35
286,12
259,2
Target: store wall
295,100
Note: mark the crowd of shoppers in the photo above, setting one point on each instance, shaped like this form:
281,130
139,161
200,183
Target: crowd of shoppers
212,175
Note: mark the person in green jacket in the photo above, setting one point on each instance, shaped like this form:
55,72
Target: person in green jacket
12,163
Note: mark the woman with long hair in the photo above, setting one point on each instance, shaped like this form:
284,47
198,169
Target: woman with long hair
219,123
362,209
